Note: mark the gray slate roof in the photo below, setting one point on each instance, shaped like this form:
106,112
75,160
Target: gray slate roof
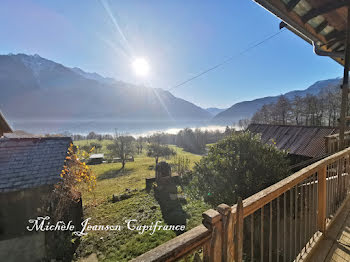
31,162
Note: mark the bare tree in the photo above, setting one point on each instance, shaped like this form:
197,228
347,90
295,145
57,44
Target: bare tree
122,147
297,109
282,108
139,144
332,100
322,109
265,115
244,123
157,151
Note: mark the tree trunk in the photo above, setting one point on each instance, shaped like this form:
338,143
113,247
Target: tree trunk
123,163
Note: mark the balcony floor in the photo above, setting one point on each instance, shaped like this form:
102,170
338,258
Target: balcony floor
335,246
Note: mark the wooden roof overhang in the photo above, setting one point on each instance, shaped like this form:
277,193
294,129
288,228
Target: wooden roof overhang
4,126
323,22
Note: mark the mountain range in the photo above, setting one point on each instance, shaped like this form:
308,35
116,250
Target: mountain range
35,87
246,109
38,88
214,110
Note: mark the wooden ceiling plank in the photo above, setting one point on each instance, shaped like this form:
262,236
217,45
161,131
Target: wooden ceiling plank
324,9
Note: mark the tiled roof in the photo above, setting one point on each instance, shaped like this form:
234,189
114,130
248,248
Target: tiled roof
306,141
31,162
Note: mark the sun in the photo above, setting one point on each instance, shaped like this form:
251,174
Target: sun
140,66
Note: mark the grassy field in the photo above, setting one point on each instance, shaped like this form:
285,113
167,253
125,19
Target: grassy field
126,244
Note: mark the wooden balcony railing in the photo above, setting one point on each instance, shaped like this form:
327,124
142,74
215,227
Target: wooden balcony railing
280,223
332,142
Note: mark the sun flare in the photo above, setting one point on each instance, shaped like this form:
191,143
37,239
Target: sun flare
140,66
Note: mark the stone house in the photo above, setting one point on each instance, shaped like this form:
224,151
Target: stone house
29,168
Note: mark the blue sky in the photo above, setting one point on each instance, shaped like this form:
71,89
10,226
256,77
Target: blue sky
178,38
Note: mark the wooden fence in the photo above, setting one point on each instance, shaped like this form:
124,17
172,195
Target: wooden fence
279,223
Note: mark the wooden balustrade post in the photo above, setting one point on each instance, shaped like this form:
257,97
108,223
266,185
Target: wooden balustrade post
339,184
228,234
213,221
327,144
239,231
322,198
347,171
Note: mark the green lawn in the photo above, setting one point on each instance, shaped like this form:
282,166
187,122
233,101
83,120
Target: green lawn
125,244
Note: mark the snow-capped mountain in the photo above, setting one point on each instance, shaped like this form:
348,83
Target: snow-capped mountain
94,76
35,87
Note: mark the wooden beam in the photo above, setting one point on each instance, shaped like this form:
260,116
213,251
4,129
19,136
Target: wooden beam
321,26
335,34
336,45
324,9
4,126
284,25
178,246
344,86
290,6
340,48
331,43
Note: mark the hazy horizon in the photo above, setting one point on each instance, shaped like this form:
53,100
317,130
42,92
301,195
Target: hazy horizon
104,126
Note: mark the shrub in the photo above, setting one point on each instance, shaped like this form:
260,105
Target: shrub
181,165
237,166
74,174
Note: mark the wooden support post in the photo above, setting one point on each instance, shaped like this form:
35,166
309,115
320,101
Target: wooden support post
227,237
326,141
322,198
239,232
212,220
343,109
345,87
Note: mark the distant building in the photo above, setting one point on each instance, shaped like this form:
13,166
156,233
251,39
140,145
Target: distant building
29,167
95,159
119,160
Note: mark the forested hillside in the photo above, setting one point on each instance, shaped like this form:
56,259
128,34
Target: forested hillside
320,109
